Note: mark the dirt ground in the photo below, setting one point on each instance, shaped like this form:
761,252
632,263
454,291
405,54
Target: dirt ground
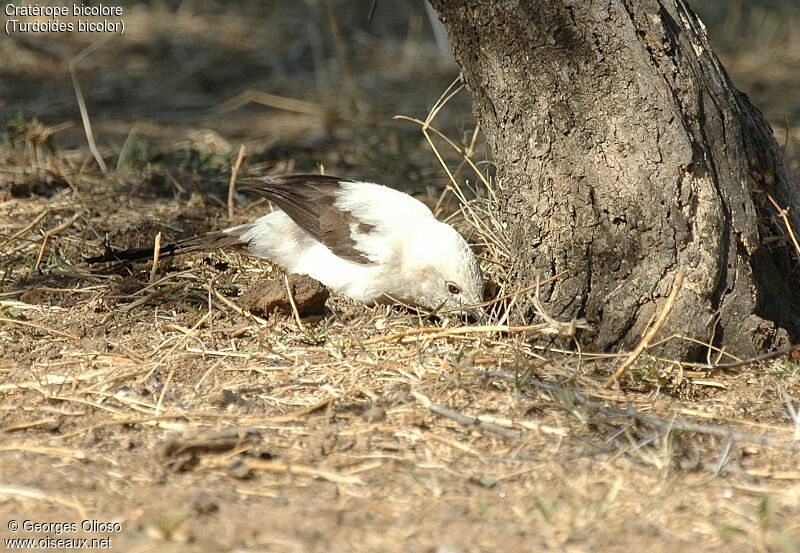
173,407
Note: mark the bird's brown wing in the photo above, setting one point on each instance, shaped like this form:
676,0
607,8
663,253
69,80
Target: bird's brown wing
309,201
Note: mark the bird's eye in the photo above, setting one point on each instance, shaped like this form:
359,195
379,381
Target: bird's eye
453,288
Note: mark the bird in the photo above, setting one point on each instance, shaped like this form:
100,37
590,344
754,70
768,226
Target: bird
367,241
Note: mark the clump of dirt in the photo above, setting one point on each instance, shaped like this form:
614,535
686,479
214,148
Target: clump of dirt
271,298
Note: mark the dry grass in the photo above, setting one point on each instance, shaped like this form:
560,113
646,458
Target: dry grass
413,427
153,398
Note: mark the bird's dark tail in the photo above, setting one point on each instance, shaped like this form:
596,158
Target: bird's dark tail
204,242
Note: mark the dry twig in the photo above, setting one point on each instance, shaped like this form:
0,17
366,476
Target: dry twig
465,420
156,257
648,337
25,230
680,425
87,124
232,184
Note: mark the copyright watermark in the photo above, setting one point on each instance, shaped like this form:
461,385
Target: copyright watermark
69,18
61,535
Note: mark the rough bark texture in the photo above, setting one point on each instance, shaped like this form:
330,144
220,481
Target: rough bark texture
624,151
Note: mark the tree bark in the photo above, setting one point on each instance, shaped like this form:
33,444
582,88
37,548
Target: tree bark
625,152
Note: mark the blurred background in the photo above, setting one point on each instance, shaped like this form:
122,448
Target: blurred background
309,83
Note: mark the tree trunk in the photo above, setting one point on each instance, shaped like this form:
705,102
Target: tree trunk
624,153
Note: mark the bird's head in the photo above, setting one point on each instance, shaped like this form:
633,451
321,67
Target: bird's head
449,276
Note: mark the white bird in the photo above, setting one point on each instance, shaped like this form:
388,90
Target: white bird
367,241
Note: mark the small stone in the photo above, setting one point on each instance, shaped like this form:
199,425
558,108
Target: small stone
376,413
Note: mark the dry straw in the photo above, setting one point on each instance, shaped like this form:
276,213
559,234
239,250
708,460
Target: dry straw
151,354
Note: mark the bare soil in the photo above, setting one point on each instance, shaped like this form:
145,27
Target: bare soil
199,420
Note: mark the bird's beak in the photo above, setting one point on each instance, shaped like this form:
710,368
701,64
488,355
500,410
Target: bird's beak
477,314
